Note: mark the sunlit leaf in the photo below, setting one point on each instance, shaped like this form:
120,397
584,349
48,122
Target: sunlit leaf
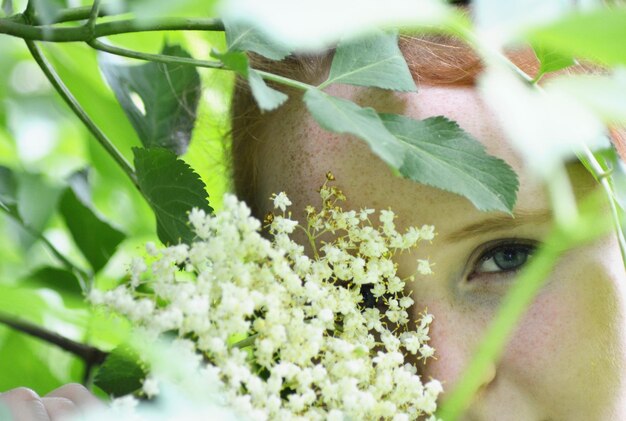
372,60
242,37
95,237
551,61
161,100
597,35
267,98
25,363
546,128
172,189
441,154
343,116
236,61
309,26
605,94
121,373
499,21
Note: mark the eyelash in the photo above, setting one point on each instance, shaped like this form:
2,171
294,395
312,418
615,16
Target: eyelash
488,257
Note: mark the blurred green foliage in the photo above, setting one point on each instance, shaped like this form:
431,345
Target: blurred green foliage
43,143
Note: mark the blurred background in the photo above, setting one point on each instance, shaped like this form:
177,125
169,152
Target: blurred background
42,143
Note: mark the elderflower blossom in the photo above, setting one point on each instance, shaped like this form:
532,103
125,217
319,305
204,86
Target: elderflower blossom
283,335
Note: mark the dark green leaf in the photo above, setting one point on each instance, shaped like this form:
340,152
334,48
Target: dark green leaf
551,61
267,98
121,373
441,154
241,37
172,189
95,238
233,60
343,116
60,280
374,60
8,186
161,100
598,36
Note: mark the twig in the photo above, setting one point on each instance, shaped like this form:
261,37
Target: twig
60,87
89,354
159,58
15,26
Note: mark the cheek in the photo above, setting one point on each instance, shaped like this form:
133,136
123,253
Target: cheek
567,348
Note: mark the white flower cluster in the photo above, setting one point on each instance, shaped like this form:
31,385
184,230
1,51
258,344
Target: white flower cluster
288,336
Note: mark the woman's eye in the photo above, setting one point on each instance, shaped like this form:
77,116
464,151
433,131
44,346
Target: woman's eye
503,258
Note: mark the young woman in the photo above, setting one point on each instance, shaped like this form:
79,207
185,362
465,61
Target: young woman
566,358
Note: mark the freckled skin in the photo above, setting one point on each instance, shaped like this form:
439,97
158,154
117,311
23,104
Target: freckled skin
566,358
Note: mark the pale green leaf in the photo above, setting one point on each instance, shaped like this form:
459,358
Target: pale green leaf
441,154
236,61
172,189
372,60
161,100
551,61
243,37
604,94
343,116
267,98
596,36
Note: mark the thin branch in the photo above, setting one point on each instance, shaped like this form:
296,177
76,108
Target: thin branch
16,27
89,354
60,87
160,58
93,15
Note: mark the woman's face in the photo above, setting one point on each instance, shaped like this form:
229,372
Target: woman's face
565,360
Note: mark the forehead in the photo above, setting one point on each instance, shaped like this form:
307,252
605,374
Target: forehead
297,153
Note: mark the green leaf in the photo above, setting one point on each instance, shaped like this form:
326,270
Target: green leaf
598,36
172,189
439,153
161,100
8,186
551,61
343,116
267,98
121,373
374,60
233,60
60,280
7,7
36,201
240,37
95,238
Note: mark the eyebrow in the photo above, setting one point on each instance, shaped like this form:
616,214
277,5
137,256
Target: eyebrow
499,223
